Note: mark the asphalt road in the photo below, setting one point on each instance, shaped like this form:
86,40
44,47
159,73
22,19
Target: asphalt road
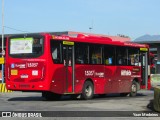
26,101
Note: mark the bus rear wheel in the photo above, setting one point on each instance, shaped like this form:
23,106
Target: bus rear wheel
51,96
88,90
134,88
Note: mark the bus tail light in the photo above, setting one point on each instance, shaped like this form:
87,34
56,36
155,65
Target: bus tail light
42,73
8,74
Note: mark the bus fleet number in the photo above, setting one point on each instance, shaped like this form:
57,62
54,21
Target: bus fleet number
89,73
32,64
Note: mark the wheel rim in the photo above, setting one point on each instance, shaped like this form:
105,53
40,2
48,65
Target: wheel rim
88,91
134,88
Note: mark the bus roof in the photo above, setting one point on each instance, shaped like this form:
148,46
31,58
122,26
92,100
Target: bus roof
86,37
96,38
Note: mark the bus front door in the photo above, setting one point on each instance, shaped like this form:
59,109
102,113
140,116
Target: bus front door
69,64
144,69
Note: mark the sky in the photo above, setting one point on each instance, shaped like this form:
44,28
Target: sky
133,18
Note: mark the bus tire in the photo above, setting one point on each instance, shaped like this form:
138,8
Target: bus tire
88,90
134,88
49,96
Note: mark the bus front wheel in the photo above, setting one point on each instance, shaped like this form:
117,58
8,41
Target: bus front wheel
134,88
88,90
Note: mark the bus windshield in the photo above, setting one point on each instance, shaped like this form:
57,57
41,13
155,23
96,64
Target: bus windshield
25,47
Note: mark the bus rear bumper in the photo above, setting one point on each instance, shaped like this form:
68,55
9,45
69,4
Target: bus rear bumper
27,86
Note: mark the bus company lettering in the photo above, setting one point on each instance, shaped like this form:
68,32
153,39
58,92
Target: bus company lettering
93,73
89,72
100,74
61,37
18,66
32,64
125,73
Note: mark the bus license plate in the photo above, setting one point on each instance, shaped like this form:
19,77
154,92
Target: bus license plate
24,76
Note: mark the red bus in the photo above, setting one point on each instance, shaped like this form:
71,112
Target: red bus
57,64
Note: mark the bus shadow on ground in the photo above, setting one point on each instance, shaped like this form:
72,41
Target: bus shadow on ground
69,98
117,95
29,98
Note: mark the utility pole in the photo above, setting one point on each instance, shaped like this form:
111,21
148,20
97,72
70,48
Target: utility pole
3,40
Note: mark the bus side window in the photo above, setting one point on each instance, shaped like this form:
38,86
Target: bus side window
121,53
119,59
81,53
55,51
95,54
109,53
133,56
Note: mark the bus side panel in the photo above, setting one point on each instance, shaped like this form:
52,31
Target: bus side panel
95,73
80,76
100,85
123,78
111,86
57,80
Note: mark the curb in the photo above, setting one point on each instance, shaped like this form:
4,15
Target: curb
3,88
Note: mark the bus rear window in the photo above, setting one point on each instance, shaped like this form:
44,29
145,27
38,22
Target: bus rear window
25,47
